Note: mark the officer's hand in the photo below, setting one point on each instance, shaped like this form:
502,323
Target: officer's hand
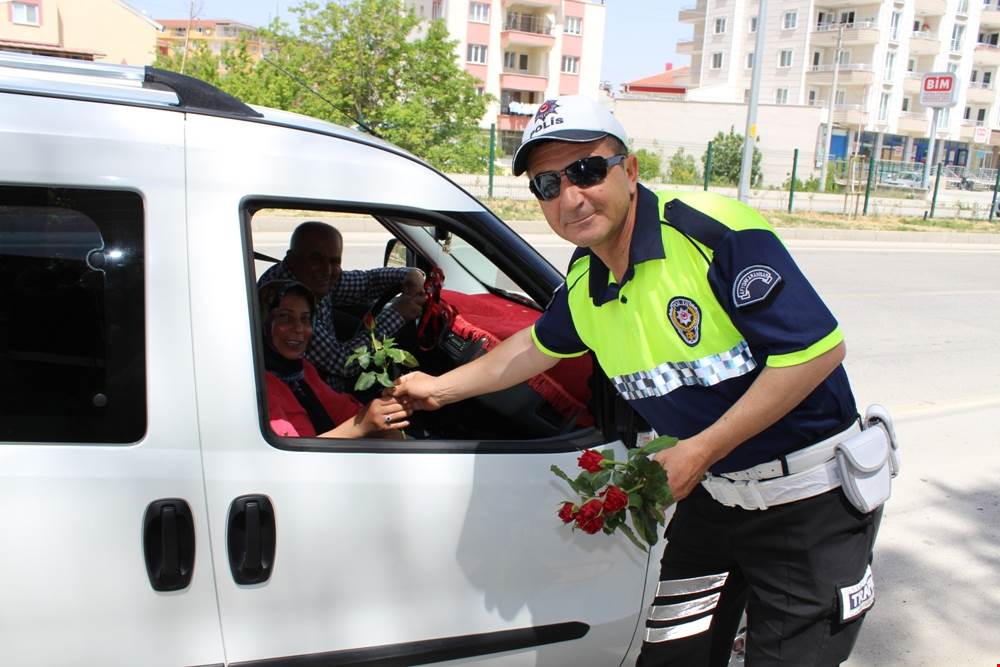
409,305
684,466
413,283
416,391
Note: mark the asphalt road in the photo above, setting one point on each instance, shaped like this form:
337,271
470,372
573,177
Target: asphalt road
922,324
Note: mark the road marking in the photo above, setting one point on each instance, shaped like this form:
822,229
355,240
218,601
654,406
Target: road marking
940,408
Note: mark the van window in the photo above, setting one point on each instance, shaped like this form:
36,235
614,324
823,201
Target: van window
72,313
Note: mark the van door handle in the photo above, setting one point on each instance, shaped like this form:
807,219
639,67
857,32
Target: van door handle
251,539
168,544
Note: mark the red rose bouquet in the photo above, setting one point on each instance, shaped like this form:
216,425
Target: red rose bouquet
609,490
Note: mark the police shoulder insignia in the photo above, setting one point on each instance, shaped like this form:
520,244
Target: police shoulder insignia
685,315
754,284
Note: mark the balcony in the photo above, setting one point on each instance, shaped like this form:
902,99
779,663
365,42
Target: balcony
986,54
516,122
980,93
527,30
924,43
911,84
692,14
837,4
689,46
912,123
931,7
548,4
850,114
967,131
990,17
851,74
519,81
855,34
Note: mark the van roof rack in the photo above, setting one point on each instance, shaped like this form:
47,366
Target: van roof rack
121,83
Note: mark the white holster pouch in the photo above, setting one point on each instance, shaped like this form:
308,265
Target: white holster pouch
868,461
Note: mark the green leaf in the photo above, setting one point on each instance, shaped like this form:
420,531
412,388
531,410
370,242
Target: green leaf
640,526
658,444
395,354
601,478
608,454
379,358
585,484
364,360
631,536
365,380
388,342
635,500
649,527
383,379
572,482
409,360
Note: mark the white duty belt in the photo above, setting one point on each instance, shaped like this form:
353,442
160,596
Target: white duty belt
805,473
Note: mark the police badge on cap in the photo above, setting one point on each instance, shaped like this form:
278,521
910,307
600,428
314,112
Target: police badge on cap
572,118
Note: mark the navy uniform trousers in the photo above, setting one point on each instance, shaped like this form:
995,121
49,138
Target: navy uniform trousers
787,565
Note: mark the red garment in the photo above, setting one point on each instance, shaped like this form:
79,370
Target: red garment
289,418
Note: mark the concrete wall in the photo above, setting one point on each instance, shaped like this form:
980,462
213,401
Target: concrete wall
665,126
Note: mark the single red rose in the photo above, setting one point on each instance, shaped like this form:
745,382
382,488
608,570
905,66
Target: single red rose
590,517
370,322
567,512
590,461
615,500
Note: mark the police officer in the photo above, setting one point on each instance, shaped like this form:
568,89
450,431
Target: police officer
703,322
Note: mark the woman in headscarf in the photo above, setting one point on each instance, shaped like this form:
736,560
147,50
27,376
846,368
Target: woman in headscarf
299,403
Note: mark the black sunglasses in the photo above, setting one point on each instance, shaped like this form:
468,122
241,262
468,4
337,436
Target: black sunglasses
582,173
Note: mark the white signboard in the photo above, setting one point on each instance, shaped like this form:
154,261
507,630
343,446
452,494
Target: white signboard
939,90
980,135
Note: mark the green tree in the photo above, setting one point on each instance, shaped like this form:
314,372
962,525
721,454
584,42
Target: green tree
682,168
200,63
727,157
649,164
366,63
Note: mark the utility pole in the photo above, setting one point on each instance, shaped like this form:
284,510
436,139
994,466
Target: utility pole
833,104
750,136
187,36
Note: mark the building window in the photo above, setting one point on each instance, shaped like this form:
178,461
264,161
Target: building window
571,64
785,58
890,65
906,104
781,96
480,91
791,19
746,96
987,78
812,97
968,113
717,60
817,58
750,60
574,25
894,25
479,12
957,34
437,10
515,61
911,65
840,98
720,25
72,317
24,13
753,24
476,53
883,107
981,115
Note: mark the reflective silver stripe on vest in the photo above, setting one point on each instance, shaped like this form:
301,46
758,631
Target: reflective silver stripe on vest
656,635
670,375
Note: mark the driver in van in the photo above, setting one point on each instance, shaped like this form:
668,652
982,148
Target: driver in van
314,259
299,403
705,324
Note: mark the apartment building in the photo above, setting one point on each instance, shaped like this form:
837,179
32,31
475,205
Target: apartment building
103,30
885,48
216,34
524,52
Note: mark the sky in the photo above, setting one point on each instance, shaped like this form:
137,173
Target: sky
640,36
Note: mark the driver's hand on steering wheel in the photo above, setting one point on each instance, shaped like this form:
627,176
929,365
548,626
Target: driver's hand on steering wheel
410,306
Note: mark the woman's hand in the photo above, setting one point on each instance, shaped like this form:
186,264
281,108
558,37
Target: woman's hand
382,416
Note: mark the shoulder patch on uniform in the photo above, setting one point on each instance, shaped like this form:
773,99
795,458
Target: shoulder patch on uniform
685,316
754,284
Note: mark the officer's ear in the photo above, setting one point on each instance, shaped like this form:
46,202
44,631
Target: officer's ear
631,164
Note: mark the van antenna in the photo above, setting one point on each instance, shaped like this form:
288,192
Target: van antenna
333,106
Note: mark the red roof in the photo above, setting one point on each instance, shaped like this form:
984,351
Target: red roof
670,81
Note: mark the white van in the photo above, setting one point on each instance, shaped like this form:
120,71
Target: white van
151,517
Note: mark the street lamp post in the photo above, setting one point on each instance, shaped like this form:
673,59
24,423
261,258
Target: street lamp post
750,136
833,104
